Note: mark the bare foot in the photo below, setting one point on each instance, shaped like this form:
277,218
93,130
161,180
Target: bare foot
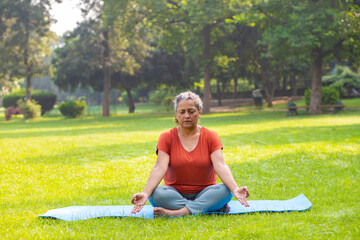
224,209
162,212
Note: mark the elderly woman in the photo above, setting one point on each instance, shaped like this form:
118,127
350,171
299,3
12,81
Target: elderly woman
189,158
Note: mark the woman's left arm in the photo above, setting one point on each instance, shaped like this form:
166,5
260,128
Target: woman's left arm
224,173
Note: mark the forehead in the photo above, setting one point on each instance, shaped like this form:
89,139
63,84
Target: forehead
186,103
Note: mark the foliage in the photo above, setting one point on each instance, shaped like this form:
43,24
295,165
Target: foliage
24,39
104,52
168,103
342,79
309,30
72,109
163,96
45,99
329,96
98,161
12,98
124,97
30,108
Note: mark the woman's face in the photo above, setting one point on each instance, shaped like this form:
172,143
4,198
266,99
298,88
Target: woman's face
187,114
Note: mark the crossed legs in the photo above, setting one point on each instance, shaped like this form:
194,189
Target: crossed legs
169,202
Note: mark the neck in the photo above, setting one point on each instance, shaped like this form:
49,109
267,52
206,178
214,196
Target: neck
189,131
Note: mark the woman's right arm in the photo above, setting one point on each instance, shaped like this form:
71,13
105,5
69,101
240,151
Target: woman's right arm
156,175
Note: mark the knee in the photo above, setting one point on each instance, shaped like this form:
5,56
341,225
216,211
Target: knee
160,194
157,194
224,189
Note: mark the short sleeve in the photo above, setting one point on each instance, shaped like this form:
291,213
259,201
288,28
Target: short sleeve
164,142
214,142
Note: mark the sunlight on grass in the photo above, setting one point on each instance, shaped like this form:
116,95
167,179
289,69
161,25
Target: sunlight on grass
53,163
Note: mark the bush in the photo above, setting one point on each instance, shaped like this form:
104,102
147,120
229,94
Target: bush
168,103
343,79
163,97
157,97
329,96
125,100
30,108
45,99
11,99
72,109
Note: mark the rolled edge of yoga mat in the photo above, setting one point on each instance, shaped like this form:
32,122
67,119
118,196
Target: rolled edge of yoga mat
75,213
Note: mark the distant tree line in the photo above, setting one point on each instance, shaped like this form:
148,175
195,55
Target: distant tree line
132,44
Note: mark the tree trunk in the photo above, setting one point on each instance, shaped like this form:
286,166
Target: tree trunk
284,84
207,69
275,83
316,72
130,101
26,58
218,90
265,81
28,81
235,86
107,75
293,85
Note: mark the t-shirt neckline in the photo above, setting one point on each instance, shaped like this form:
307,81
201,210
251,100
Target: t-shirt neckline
197,144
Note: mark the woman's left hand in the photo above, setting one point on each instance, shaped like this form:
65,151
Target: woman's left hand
241,194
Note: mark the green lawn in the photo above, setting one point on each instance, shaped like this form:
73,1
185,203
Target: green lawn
52,163
353,103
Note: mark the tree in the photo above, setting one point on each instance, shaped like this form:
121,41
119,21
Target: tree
190,26
25,38
312,28
101,59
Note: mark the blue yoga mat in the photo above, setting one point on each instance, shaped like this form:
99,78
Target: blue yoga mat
74,213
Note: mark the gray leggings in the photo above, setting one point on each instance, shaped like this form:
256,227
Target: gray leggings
211,198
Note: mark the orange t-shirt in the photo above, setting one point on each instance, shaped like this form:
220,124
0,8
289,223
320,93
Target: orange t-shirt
189,172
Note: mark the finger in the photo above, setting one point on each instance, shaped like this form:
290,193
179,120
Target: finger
137,208
247,203
244,202
134,199
246,191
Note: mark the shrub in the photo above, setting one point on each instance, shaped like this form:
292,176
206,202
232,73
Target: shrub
163,97
157,97
11,99
168,103
343,79
72,109
30,108
125,99
329,96
45,99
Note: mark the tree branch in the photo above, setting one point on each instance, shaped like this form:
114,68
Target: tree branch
338,44
269,16
173,3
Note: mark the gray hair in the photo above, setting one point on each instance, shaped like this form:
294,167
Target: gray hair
188,95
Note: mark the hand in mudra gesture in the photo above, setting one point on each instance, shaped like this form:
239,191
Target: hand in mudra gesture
139,199
241,194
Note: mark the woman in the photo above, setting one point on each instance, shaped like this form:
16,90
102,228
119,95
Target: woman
189,158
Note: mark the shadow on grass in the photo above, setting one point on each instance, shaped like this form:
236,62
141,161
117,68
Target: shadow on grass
292,135
88,126
83,155
138,122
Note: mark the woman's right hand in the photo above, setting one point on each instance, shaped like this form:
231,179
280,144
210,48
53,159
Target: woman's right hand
139,199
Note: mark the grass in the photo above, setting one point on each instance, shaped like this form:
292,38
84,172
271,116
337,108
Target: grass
350,104
52,163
